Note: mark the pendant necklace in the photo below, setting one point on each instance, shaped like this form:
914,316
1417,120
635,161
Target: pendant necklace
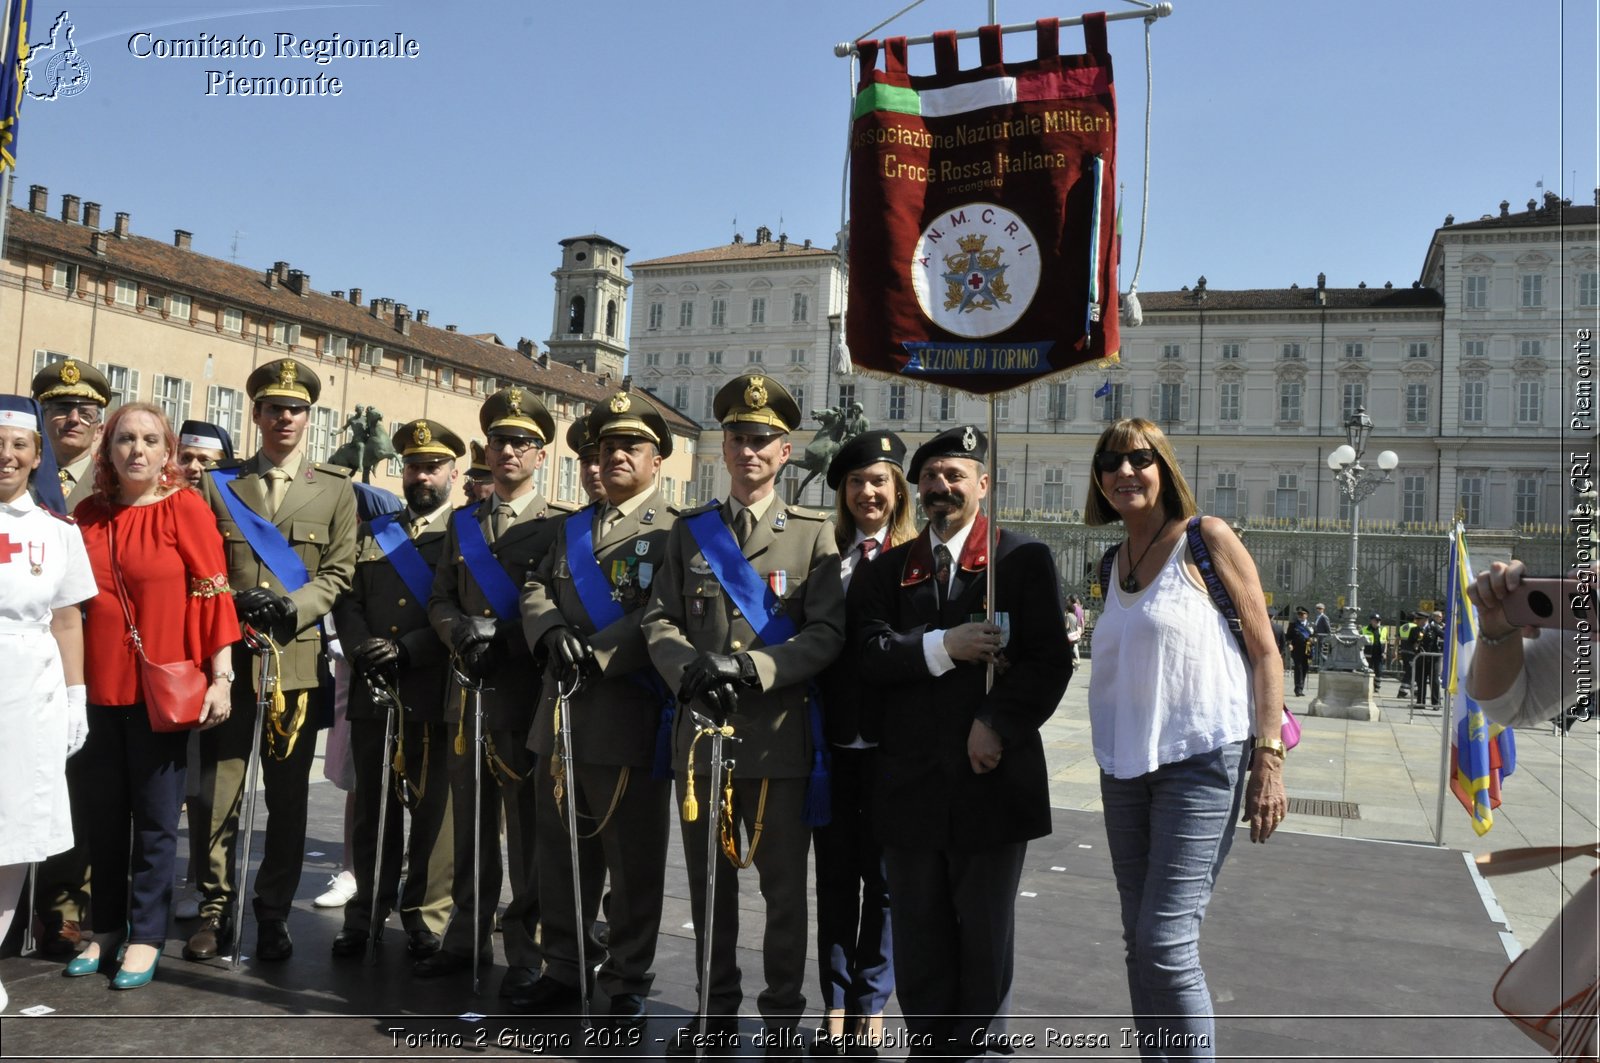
1130,582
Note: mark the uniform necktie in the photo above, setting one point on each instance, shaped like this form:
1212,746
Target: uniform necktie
869,548
743,525
608,522
277,486
941,571
499,517
417,524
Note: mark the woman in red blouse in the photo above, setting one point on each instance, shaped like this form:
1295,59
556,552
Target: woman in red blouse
171,561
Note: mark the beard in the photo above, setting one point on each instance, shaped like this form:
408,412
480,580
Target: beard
423,497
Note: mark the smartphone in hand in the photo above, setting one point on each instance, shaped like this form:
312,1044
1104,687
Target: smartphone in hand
1550,602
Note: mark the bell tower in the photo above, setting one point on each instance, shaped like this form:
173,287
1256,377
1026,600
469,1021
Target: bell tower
589,326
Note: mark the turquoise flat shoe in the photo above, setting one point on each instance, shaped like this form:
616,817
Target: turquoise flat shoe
80,966
127,979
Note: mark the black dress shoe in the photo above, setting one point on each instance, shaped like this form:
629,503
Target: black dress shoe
628,1011
348,942
721,1038
518,982
785,1044
546,996
273,944
420,943
213,934
443,963
825,1046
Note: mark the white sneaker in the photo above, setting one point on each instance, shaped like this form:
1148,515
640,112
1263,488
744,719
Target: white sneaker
341,888
187,906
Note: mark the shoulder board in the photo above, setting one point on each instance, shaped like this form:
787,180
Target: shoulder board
562,508
337,470
675,511
804,513
65,518
236,463
703,507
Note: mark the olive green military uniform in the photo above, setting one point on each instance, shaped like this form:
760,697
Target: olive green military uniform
508,706
381,604
318,518
689,614
615,720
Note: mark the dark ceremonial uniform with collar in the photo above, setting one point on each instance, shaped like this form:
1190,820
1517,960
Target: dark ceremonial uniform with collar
382,604
954,839
615,719
317,517
690,613
62,891
508,707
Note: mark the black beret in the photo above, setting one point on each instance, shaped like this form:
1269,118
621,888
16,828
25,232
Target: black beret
962,441
868,448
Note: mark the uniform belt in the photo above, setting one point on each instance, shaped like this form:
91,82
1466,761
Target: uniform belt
23,627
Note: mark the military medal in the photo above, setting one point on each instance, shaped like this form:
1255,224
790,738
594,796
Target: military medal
778,580
36,564
645,573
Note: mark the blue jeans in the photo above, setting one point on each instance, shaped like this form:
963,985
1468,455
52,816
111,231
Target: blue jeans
1168,833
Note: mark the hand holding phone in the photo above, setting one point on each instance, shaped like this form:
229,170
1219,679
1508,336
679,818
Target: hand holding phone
1550,602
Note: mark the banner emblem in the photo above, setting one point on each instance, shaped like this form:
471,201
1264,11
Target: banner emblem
975,270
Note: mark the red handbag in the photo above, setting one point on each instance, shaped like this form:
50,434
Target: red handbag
174,694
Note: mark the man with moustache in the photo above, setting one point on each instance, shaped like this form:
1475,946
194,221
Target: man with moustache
962,784
383,623
202,445
74,396
289,527
582,609
490,551
746,611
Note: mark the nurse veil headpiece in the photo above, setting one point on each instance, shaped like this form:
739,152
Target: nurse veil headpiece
23,411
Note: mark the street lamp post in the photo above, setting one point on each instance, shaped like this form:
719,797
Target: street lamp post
1356,483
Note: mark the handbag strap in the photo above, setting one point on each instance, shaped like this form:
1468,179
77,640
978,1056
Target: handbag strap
1531,858
122,590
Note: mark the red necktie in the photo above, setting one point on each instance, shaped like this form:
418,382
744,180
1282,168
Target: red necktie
869,548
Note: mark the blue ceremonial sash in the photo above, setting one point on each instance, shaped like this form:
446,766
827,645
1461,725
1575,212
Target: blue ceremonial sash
594,590
744,585
403,554
271,548
484,566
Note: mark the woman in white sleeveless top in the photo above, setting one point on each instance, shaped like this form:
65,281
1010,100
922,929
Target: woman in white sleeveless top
1176,713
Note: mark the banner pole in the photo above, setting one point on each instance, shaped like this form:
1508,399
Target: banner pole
1149,13
992,534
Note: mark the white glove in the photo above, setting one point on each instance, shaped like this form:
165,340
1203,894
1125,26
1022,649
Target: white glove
77,718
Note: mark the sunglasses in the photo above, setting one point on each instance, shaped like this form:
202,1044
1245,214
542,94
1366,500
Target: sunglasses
1111,460
88,412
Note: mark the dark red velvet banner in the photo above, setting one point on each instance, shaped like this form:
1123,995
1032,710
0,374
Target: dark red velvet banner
983,213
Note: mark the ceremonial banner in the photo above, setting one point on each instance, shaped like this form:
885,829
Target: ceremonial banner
982,213
1482,753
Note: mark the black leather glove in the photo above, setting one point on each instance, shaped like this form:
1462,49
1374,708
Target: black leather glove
262,608
709,669
722,699
479,660
374,656
469,631
567,650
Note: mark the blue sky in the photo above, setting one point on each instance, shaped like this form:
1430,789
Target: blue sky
1287,139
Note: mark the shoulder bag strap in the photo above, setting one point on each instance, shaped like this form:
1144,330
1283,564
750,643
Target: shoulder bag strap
122,590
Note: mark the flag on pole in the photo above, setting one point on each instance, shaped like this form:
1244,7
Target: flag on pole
1481,753
12,64
1103,390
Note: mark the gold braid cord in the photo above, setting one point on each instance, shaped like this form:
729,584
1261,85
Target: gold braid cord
561,785
408,794
279,730
728,833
